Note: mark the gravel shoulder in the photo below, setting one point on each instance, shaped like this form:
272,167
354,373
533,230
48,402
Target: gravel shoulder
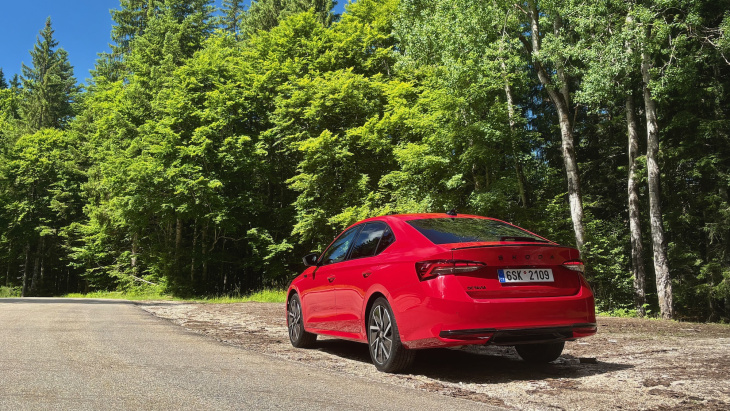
639,364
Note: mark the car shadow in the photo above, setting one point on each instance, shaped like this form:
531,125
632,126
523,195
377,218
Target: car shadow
480,365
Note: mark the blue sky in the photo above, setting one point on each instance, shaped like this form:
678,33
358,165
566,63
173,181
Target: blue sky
82,27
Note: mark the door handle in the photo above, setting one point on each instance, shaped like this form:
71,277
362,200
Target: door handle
331,278
366,274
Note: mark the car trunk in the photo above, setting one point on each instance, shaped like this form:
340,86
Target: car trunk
524,260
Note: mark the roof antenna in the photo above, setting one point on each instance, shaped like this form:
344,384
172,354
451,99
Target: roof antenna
451,212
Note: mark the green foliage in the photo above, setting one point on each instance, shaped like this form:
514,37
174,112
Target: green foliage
619,312
9,292
3,82
264,15
146,294
203,162
49,84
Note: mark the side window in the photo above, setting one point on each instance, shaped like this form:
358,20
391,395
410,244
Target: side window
338,250
370,240
387,239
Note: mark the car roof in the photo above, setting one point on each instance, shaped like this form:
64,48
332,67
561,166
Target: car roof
418,216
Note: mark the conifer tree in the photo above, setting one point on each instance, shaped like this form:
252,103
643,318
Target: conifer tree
130,22
49,83
3,83
232,14
266,14
15,82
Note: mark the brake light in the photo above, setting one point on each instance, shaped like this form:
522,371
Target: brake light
575,265
427,270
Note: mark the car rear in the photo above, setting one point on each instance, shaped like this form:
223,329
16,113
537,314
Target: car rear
492,282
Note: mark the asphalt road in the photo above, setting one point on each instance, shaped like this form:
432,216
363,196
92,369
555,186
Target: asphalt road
106,354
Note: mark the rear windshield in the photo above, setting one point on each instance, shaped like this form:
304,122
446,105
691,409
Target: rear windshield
469,230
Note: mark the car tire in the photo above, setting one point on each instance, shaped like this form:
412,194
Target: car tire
386,350
540,353
299,337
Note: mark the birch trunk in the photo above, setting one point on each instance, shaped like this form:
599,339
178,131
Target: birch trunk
661,265
637,248
566,129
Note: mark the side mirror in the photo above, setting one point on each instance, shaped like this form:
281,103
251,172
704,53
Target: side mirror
310,260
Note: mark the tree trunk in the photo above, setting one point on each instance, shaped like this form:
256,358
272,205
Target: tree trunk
566,128
36,268
24,293
661,265
178,244
133,260
637,248
203,237
192,258
10,259
521,181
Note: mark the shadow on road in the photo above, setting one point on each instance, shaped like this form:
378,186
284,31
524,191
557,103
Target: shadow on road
490,365
55,300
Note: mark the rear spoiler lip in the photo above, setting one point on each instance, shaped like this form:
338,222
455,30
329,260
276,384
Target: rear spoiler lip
511,245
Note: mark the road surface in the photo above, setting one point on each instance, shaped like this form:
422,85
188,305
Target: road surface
107,354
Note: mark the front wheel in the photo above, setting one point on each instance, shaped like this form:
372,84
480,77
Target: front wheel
540,353
386,350
298,337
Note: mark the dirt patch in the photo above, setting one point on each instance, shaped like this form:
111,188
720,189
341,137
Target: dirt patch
631,364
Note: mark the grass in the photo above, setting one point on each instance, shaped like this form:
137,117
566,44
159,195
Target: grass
123,295
264,296
618,312
6,292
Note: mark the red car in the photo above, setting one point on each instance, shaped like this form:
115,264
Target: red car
406,282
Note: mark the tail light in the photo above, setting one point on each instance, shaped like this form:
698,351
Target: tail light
575,265
427,270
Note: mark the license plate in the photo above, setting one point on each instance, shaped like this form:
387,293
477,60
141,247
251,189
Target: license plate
526,275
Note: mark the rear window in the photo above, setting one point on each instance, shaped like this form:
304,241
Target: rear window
469,230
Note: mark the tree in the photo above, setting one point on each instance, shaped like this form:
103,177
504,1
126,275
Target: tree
49,84
610,83
232,11
557,86
3,83
130,22
266,14
43,179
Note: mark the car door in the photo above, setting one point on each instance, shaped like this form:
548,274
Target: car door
356,275
318,297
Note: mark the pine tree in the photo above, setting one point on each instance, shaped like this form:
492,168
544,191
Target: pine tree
3,83
49,83
15,83
232,15
130,22
266,14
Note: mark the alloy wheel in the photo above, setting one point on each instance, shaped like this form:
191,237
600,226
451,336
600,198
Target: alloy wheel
381,334
295,319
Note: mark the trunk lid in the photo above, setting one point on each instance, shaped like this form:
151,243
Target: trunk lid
484,283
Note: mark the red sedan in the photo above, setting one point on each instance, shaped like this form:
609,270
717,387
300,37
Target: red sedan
406,282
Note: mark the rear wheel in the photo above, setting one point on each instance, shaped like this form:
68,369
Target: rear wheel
298,337
386,350
540,353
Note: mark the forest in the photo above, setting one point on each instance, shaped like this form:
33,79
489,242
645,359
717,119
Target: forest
213,147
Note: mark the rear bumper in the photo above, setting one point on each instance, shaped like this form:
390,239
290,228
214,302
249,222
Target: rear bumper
521,335
452,320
